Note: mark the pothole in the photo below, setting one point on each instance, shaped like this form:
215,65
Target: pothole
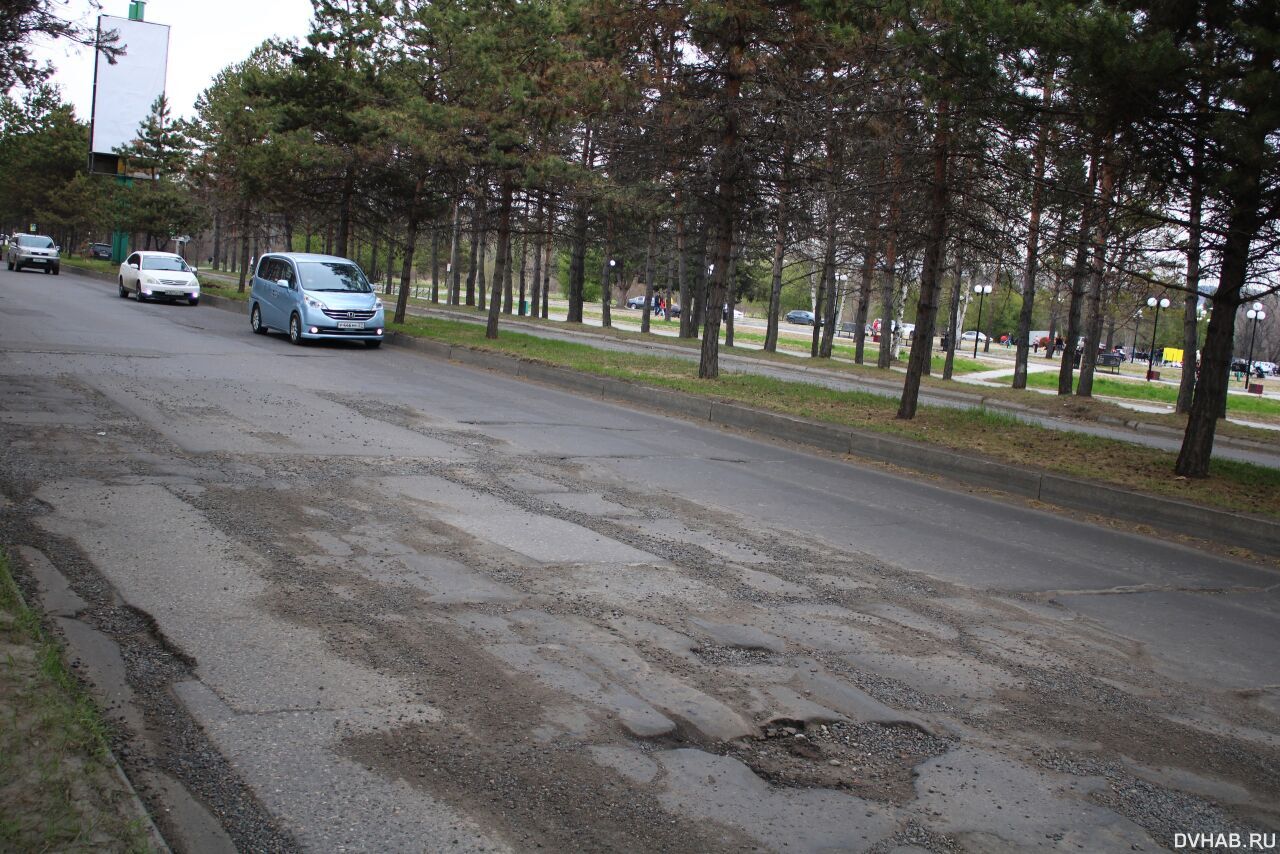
869,760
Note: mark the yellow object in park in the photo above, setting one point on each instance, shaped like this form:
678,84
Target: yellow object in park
1172,355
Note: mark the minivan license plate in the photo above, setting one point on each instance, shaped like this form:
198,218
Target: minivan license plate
350,324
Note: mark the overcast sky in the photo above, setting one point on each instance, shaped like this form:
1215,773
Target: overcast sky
205,36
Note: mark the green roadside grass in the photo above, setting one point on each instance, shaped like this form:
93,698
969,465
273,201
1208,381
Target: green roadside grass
58,791
1232,485
1237,404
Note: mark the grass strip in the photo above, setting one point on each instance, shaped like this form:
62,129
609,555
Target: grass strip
58,790
1237,404
1232,485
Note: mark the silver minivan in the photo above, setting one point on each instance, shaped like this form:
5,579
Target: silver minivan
314,297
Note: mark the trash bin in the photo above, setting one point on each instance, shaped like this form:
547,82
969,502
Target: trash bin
1255,388
1153,375
875,338
524,307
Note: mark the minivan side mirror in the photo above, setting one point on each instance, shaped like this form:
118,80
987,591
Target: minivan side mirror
284,283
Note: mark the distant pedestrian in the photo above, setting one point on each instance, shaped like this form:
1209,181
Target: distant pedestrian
1059,346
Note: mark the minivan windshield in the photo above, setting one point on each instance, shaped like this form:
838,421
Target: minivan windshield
35,241
333,276
164,262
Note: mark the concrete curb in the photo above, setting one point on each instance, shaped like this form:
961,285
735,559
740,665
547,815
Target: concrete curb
1178,517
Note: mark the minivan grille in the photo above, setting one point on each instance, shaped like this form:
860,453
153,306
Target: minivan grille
348,314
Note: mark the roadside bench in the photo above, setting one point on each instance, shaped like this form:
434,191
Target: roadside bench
1110,360
846,329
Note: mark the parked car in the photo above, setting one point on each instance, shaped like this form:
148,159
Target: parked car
638,302
971,336
799,315
737,312
314,297
158,275
100,251
34,250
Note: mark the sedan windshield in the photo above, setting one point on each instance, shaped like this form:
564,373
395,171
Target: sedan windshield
333,276
164,262
35,242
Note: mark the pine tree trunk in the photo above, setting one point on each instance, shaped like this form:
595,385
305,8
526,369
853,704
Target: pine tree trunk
244,246
833,292
1191,303
726,207
454,270
731,294
344,210
524,261
1032,262
650,251
1097,274
890,262
864,293
931,270
780,221
953,320
507,265
502,262
606,272
435,261
535,298
682,272
217,243
546,273
1078,278
410,245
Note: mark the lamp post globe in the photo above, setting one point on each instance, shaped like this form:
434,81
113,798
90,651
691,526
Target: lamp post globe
1157,304
981,291
1255,314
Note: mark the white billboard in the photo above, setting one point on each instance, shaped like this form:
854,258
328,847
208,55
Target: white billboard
123,93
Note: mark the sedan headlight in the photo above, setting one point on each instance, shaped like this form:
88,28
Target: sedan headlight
148,280
312,302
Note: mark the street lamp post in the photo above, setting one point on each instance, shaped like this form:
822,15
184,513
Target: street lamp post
1157,304
981,291
1255,313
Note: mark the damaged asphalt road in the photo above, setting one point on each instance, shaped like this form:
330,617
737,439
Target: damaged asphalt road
368,601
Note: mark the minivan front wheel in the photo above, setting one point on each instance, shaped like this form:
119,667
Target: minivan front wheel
255,321
295,329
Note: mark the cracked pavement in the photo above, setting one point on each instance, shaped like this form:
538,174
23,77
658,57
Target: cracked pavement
370,601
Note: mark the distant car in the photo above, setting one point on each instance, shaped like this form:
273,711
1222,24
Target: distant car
800,316
101,251
737,313
315,297
638,302
970,336
158,275
34,250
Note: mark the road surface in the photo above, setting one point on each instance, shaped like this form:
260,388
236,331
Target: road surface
343,599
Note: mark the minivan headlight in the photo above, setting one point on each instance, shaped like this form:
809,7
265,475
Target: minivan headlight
312,302
377,304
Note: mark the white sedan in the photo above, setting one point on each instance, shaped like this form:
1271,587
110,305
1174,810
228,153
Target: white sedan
158,275
971,335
